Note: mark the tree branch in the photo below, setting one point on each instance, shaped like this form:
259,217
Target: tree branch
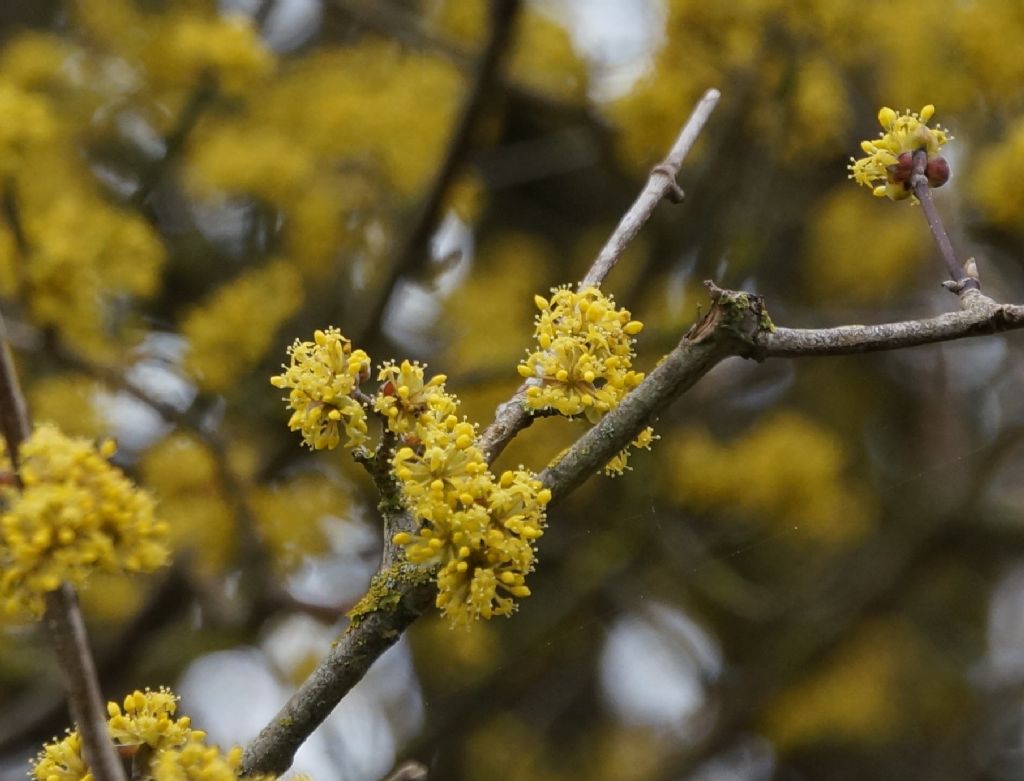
512,417
63,617
980,315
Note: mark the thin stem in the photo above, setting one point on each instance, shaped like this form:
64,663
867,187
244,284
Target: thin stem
63,617
512,417
71,642
660,184
13,410
922,190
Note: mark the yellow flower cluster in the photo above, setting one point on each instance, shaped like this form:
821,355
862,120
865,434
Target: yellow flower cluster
198,762
146,718
584,358
232,330
888,166
478,530
322,376
410,403
76,514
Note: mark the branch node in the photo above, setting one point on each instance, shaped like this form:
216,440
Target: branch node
675,193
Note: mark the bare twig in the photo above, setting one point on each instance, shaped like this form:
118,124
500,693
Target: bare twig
962,281
415,246
63,617
512,417
661,184
67,630
980,316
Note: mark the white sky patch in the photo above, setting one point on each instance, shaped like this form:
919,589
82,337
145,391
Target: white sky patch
233,694
654,667
618,38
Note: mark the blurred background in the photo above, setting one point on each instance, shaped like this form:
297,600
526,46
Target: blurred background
817,572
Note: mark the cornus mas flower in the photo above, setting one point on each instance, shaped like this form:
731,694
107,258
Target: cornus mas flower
889,164
584,356
476,531
484,551
75,514
410,403
147,717
444,472
176,751
322,376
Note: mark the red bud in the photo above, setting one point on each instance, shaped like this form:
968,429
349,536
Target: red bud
937,172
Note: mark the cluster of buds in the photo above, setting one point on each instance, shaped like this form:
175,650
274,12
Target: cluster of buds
894,158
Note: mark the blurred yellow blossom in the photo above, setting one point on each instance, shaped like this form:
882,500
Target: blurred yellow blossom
74,515
34,60
786,471
856,695
241,159
83,255
35,125
184,474
232,330
998,183
189,48
846,263
68,401
291,515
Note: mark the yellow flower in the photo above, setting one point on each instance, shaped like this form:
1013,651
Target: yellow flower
583,364
444,472
888,166
62,760
148,717
197,762
410,403
322,376
75,514
620,462
483,549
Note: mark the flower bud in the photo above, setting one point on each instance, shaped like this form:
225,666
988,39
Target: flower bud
937,172
901,171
